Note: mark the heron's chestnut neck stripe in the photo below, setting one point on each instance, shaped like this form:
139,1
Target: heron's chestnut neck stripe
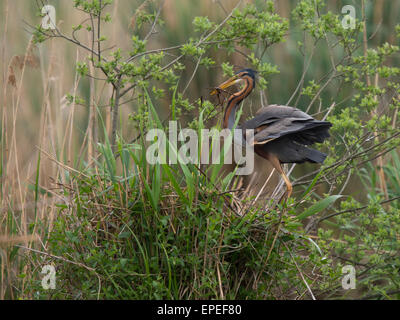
235,99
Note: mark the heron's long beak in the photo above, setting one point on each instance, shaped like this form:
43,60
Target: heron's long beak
226,84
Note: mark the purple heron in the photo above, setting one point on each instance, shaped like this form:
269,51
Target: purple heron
281,133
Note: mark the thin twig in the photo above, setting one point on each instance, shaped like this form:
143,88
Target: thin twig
57,257
301,274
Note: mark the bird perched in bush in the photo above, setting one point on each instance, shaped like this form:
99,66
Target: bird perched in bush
282,134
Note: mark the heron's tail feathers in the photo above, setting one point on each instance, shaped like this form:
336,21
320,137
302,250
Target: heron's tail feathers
315,155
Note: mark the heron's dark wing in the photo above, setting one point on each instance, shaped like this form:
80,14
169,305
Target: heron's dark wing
302,131
288,151
273,122
273,113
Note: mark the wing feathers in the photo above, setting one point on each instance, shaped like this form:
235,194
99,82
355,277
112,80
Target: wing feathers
307,132
275,121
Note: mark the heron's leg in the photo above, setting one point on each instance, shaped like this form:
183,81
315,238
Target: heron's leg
277,165
288,184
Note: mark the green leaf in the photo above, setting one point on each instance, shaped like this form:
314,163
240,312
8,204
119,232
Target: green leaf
318,207
175,184
188,176
312,184
124,235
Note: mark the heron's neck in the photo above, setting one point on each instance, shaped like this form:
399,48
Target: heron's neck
235,100
230,111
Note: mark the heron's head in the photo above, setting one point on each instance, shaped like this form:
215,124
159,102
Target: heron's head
242,75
